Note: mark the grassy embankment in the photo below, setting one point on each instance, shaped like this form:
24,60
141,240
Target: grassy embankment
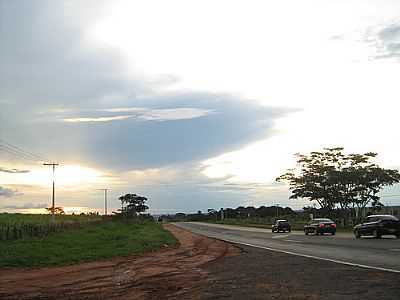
92,242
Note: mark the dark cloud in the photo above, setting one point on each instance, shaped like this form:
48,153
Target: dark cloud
6,192
49,72
13,171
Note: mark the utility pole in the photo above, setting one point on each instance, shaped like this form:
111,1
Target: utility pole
53,219
105,200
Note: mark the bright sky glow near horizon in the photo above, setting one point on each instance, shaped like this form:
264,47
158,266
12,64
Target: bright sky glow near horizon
194,104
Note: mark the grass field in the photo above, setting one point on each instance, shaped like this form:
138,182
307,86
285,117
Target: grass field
93,242
19,226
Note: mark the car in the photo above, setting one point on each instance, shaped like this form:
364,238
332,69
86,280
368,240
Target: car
320,227
281,225
378,225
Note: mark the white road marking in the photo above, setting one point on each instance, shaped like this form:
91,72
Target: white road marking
394,250
293,241
280,236
316,257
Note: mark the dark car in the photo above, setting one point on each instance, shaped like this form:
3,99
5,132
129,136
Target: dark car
320,227
378,225
281,225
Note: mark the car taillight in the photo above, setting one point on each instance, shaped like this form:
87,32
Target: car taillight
321,225
333,225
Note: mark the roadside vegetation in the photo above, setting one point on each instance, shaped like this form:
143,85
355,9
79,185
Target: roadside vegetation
33,241
93,242
19,226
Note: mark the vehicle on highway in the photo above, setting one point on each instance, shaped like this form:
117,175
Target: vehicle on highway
320,227
378,225
281,225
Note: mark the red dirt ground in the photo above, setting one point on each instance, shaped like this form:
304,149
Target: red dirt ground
170,273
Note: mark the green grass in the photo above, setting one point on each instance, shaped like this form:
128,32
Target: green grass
93,242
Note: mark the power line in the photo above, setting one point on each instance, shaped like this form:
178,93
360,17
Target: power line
16,154
21,150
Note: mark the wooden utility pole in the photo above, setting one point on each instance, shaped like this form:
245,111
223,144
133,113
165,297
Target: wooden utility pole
53,218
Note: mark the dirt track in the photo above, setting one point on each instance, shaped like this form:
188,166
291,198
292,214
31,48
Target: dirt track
171,273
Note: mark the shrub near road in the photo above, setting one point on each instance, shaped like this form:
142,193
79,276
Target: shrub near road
96,241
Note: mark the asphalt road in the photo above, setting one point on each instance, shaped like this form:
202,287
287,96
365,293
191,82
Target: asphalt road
382,254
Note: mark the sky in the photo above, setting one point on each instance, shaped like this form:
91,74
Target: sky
193,104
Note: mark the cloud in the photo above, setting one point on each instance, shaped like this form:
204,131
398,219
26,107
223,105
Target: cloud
6,192
387,41
141,113
25,206
113,118
174,114
96,119
13,171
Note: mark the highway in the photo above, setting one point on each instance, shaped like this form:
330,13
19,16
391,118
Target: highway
382,254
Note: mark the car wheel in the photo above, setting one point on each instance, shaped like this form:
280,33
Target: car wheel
305,232
376,234
289,230
333,233
397,236
357,234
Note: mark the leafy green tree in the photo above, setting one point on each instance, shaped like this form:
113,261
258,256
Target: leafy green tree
132,205
334,179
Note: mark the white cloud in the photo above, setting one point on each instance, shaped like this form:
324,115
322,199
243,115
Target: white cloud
96,119
174,114
146,114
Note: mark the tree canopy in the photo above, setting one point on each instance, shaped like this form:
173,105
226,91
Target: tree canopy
335,179
132,204
57,210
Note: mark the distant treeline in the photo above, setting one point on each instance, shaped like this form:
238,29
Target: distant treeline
267,215
239,212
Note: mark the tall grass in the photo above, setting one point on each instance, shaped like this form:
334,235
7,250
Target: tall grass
19,226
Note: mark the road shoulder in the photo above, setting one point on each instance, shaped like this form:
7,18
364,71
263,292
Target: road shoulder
263,274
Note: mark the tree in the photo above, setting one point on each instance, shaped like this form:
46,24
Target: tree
57,210
132,205
334,179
